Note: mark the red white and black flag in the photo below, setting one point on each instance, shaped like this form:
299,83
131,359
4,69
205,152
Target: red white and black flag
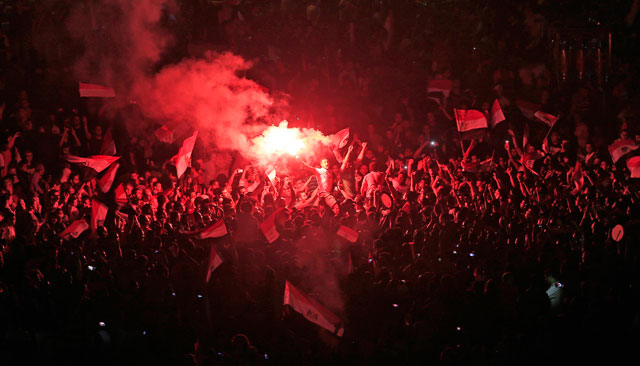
108,145
183,158
94,90
347,234
496,114
215,260
98,214
106,181
216,230
268,227
312,310
74,230
95,162
471,123
620,148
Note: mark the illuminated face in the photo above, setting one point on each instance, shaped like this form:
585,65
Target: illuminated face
324,163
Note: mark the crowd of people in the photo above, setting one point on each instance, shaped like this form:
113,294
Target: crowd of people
517,246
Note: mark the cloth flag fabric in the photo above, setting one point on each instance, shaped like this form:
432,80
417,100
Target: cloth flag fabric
120,195
108,145
95,162
479,167
530,158
183,158
347,233
74,230
440,86
98,214
471,123
215,260
496,114
528,109
216,230
619,148
341,138
312,310
172,131
634,166
268,227
271,174
547,118
95,90
107,179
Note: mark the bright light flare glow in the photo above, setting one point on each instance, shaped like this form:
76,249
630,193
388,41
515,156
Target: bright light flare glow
279,140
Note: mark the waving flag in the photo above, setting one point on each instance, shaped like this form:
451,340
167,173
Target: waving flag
95,90
215,260
108,177
497,115
347,233
108,145
216,230
120,195
634,166
312,310
529,159
271,174
74,230
341,138
619,148
268,227
547,118
183,158
471,123
528,109
95,162
98,214
440,86
479,167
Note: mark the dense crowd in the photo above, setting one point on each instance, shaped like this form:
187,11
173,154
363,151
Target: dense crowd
499,249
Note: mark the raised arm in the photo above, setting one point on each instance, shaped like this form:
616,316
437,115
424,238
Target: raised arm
345,161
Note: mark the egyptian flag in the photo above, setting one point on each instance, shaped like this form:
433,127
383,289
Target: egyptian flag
96,162
529,159
547,118
98,214
471,123
479,167
440,86
216,230
347,233
496,114
120,195
528,109
341,138
107,178
108,145
215,260
95,90
74,230
312,310
268,227
183,158
634,166
619,148
271,174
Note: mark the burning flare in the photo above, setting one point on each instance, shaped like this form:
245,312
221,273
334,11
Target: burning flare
279,140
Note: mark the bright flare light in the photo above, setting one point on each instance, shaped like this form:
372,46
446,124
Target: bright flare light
279,140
